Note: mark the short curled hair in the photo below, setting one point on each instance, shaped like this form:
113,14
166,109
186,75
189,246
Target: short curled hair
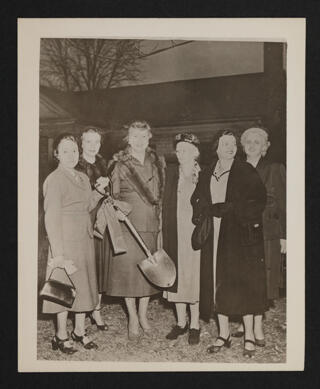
226,131
263,133
141,125
59,139
91,129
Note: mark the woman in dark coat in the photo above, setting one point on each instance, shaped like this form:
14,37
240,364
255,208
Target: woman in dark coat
255,144
94,166
232,274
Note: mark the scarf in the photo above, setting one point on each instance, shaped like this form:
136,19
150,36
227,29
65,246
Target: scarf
135,179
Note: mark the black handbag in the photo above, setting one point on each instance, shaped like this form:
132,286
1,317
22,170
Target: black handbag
201,232
58,291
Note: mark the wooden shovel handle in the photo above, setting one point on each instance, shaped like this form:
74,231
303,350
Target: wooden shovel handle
136,235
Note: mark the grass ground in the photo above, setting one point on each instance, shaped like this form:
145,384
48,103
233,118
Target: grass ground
114,345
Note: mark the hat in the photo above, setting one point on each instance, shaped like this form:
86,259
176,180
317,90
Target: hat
187,137
162,273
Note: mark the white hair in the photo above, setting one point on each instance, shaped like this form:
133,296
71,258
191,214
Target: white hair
258,131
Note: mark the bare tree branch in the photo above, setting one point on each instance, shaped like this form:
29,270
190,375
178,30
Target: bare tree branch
88,64
91,64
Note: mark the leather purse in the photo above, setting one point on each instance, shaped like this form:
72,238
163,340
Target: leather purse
201,232
58,291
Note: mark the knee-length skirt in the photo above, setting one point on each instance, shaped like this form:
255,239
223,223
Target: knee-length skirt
125,278
81,252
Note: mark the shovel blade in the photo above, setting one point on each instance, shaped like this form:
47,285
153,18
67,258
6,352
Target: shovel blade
162,273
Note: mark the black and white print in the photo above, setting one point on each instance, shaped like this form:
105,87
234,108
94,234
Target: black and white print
162,200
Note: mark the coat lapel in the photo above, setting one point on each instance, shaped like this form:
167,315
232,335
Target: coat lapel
81,183
231,179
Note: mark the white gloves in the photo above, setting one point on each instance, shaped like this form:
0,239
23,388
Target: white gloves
59,261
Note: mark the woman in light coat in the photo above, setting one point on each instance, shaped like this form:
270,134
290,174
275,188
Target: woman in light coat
68,200
177,228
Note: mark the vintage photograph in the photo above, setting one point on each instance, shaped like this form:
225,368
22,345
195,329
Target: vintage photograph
162,205
162,200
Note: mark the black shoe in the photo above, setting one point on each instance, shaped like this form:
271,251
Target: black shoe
176,331
194,336
260,342
84,340
101,327
246,352
63,345
215,349
237,334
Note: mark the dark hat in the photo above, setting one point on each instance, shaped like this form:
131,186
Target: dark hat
162,273
187,137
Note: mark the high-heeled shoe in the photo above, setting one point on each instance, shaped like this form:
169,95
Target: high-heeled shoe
237,334
63,345
177,331
101,327
260,342
246,352
84,340
147,330
133,335
216,348
194,336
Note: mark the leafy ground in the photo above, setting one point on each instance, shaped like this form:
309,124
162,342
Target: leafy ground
114,345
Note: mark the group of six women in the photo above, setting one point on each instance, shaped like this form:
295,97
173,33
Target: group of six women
238,267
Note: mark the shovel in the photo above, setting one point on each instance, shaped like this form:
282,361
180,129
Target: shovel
161,270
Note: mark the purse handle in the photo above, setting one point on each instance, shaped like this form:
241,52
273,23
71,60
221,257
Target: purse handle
59,267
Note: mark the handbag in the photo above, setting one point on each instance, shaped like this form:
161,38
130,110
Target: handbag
58,291
201,232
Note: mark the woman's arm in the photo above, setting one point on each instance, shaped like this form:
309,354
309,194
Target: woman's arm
53,209
279,182
197,201
253,200
115,182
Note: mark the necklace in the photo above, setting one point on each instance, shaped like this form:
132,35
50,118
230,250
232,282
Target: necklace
217,175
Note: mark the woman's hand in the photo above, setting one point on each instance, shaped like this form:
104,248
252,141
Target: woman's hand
152,259
283,246
104,181
218,209
59,261
120,215
101,184
69,266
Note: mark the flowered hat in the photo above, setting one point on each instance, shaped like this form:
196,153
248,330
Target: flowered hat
187,137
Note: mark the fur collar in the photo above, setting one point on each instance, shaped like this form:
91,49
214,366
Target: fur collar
138,182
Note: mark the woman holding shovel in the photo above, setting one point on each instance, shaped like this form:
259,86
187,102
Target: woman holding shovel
138,179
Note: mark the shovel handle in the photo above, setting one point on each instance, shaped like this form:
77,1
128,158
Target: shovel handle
137,236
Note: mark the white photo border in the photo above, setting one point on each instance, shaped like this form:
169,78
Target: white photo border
290,30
